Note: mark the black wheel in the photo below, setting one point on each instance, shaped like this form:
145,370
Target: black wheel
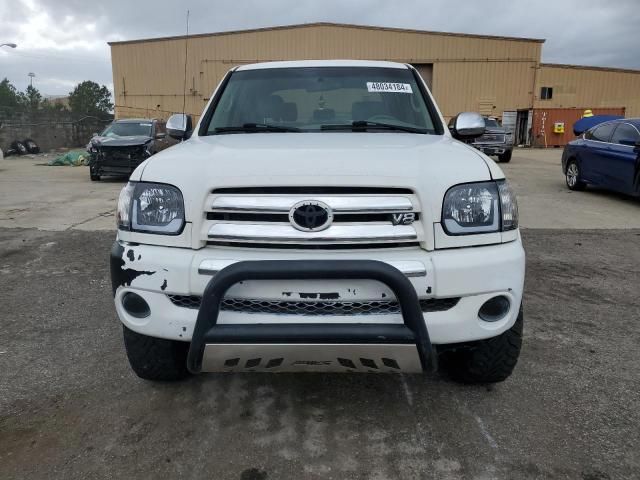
95,177
572,176
486,361
19,148
506,156
156,358
31,146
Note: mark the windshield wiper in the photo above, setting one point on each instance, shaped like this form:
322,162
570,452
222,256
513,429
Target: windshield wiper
256,127
363,125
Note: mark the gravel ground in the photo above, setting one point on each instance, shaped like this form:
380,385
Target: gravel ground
71,408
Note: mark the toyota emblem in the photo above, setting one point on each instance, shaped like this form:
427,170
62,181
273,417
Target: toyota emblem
310,216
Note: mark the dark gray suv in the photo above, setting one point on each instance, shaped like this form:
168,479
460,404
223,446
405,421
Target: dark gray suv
496,140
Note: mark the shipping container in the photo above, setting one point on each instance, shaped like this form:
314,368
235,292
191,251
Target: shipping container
544,120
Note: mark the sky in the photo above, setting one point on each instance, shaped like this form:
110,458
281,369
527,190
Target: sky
64,42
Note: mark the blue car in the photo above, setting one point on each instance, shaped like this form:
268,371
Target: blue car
607,155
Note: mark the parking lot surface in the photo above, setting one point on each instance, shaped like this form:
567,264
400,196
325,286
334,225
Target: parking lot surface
71,408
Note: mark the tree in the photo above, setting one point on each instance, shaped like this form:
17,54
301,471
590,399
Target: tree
89,97
52,105
31,98
9,96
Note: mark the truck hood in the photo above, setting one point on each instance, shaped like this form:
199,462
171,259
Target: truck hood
129,141
427,164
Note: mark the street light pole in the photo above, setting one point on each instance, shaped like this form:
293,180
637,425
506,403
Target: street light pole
31,75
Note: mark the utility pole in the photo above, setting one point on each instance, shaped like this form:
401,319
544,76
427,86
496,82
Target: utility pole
31,75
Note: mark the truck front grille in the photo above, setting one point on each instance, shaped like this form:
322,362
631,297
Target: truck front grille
135,152
284,307
357,217
491,138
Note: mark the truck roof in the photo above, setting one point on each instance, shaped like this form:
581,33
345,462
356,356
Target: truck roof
322,63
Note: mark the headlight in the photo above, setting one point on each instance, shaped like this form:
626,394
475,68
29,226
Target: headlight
151,208
483,207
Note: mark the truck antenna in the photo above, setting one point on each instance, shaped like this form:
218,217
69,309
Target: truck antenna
186,51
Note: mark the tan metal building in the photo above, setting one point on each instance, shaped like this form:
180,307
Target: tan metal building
500,76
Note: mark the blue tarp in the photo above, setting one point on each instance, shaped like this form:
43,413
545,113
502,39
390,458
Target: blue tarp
586,123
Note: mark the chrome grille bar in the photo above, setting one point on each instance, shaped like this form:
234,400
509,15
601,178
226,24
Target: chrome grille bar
339,204
260,233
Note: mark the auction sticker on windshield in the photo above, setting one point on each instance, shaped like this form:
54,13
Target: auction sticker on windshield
388,87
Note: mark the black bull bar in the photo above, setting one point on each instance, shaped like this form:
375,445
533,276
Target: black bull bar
413,331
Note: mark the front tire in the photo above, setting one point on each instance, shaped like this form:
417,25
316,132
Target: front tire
506,156
95,177
156,358
573,177
487,361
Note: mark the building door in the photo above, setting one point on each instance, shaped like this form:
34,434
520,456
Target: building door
521,134
509,122
426,72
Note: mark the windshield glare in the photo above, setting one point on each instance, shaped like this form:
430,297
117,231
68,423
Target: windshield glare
128,129
308,98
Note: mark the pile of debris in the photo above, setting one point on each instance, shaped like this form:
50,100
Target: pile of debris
73,158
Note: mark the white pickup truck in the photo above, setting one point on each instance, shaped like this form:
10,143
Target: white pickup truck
320,217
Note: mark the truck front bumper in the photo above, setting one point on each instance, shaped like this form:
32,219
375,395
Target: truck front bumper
493,149
459,281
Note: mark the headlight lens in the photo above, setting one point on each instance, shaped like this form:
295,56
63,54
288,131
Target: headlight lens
483,207
151,208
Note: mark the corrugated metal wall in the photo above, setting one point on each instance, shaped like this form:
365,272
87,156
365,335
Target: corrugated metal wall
589,87
489,75
544,119
488,87
468,72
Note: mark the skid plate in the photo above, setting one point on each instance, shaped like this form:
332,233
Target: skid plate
374,358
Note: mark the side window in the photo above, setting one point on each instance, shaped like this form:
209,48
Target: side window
546,93
625,134
602,133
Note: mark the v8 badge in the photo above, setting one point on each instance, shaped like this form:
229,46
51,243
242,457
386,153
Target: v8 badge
403,218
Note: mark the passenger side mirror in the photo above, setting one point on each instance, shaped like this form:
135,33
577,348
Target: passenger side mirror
180,126
467,126
95,134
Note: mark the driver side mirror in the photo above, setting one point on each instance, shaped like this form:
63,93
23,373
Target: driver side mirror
95,134
180,126
467,126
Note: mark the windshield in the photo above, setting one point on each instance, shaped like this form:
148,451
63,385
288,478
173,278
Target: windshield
490,122
314,99
128,129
